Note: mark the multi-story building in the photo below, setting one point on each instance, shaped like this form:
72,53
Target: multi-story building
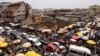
18,11
3,7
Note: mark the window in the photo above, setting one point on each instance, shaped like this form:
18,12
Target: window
18,11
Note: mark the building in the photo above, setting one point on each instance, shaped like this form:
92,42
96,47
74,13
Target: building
96,9
3,7
18,11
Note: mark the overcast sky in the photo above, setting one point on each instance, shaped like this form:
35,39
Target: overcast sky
40,4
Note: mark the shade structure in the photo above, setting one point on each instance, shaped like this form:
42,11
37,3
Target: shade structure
73,40
85,38
3,44
24,33
65,27
61,30
80,34
27,45
91,42
75,37
17,41
46,30
32,53
20,54
38,55
2,39
31,28
70,26
81,29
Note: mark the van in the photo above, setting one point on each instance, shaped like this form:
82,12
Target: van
78,51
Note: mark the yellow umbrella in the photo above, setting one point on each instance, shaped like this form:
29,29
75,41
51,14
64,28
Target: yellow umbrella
30,53
38,55
80,34
91,42
20,54
3,44
26,45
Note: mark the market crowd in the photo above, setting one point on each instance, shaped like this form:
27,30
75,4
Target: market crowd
79,39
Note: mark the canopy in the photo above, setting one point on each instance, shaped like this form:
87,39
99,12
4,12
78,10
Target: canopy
32,53
80,49
9,28
12,24
85,38
47,30
31,28
52,45
61,30
80,34
75,37
17,41
27,45
73,40
81,29
2,39
91,42
65,27
3,44
70,26
20,54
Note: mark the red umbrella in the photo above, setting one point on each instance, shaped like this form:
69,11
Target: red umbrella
51,47
75,37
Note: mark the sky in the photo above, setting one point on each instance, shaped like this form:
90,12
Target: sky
41,4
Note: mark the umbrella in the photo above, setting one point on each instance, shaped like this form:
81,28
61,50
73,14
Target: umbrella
61,30
70,26
2,39
65,27
31,28
85,38
20,54
81,29
24,33
26,45
3,44
91,42
38,55
32,53
80,34
17,41
46,30
75,37
73,40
